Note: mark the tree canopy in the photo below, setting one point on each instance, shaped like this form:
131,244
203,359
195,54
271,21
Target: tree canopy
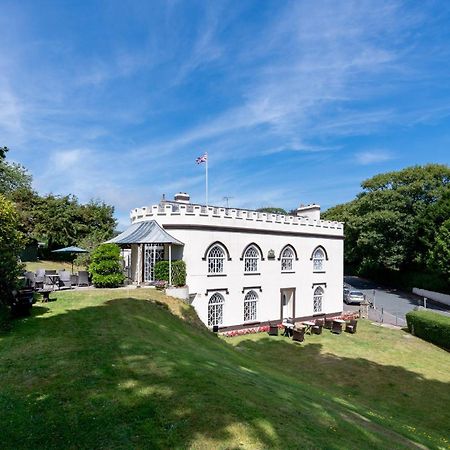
392,224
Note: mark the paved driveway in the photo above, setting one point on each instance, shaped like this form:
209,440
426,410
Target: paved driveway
393,301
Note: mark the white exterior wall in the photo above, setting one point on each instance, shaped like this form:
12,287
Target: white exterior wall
236,230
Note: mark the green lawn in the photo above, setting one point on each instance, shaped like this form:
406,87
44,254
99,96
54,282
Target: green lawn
32,266
118,369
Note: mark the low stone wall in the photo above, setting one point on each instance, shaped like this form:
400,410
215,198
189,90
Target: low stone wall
436,296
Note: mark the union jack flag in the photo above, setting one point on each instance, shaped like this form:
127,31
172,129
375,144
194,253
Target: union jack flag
202,159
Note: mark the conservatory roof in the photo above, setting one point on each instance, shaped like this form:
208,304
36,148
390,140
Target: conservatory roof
147,232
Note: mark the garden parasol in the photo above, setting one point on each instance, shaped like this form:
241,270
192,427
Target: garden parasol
70,250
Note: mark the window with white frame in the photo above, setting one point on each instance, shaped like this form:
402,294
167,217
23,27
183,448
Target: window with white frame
287,258
215,309
251,258
317,299
318,260
250,301
216,257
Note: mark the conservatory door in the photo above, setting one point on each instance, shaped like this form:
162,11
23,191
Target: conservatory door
152,254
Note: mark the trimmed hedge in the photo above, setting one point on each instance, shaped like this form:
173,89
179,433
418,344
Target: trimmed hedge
178,272
105,267
430,326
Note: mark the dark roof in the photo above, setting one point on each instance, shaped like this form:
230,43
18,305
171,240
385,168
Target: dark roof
146,232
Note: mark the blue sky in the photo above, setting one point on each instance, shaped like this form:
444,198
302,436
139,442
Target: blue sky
295,102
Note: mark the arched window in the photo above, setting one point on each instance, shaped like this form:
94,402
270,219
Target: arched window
251,258
216,257
317,299
318,259
215,309
250,301
287,258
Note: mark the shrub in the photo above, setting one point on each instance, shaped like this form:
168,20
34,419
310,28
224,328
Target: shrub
105,267
430,326
11,244
178,272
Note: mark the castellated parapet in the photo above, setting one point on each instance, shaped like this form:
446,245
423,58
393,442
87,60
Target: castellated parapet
171,213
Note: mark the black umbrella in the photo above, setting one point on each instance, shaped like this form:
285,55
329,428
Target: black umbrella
71,250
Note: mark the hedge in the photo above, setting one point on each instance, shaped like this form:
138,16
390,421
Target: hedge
178,272
105,267
432,327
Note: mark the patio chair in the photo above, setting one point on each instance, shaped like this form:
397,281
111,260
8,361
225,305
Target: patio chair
298,334
273,329
328,324
30,279
39,279
317,328
351,326
64,278
73,280
336,327
83,278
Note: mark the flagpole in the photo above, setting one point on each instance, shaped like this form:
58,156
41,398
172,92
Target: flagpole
206,178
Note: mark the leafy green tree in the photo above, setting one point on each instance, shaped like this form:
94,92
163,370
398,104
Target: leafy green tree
105,268
11,242
439,257
392,223
273,210
12,176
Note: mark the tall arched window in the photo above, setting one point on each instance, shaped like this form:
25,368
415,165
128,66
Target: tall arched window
318,259
317,299
250,301
287,258
251,258
216,257
215,309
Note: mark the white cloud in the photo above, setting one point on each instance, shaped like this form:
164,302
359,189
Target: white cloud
372,157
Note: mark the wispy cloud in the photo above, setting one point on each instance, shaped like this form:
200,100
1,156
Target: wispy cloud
373,157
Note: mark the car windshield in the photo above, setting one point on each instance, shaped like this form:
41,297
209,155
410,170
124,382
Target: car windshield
356,293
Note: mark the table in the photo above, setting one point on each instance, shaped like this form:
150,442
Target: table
54,280
308,324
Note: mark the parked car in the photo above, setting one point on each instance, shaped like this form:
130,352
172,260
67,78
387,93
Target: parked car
354,297
346,291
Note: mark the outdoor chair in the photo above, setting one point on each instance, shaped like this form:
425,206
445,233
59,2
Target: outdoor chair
336,327
64,278
83,278
317,328
351,326
273,329
73,280
328,324
30,279
298,334
39,279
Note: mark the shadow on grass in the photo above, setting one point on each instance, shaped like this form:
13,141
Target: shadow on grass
129,374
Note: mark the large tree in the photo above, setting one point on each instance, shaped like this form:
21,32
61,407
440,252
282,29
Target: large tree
392,223
12,176
10,246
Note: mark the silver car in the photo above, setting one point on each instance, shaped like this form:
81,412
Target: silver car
354,297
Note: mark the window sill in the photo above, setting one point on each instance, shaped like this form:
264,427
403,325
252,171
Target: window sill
319,271
288,271
216,275
252,273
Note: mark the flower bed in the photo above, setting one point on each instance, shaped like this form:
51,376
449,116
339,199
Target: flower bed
265,328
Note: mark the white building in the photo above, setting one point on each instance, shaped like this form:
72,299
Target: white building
243,267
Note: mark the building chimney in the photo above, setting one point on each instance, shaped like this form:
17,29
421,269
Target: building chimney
182,197
309,211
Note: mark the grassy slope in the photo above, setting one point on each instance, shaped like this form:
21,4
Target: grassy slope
99,369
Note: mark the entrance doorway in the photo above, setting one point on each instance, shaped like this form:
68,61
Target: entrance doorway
152,254
287,303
